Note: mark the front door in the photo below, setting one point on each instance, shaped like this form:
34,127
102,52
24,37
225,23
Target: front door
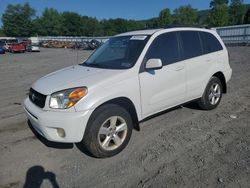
165,87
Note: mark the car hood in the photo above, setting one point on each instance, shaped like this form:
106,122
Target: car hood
73,76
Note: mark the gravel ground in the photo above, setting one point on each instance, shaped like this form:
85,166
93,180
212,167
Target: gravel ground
185,147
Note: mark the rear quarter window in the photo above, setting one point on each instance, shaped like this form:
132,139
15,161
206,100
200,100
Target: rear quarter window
210,43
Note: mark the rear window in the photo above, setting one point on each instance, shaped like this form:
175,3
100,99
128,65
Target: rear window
191,44
210,43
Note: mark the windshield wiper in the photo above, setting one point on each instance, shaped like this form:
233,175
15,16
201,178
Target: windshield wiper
92,65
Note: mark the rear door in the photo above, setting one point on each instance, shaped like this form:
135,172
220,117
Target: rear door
197,66
198,50
163,88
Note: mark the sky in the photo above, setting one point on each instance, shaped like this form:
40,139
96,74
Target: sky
105,9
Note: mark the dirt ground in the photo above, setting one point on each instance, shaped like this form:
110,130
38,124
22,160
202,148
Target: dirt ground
184,147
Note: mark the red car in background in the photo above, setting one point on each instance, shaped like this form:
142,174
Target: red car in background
17,47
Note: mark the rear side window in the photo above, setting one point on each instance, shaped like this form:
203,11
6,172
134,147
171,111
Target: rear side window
191,44
210,43
166,48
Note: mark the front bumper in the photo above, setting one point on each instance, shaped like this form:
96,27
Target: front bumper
46,123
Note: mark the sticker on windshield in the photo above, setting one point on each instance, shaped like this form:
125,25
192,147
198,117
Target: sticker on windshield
138,37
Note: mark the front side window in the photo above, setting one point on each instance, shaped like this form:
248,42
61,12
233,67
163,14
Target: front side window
191,44
118,52
164,47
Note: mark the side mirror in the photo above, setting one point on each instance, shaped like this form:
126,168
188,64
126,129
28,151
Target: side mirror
153,64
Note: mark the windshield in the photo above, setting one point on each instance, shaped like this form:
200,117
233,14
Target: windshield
118,52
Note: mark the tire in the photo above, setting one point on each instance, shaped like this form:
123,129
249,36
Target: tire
212,95
102,137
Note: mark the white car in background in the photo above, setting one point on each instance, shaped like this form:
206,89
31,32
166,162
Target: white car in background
129,78
33,48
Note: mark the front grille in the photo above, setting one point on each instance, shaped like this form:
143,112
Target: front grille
37,98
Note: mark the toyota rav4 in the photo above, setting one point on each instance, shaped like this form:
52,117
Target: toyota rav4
129,78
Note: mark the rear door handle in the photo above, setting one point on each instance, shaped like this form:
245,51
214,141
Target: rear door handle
179,68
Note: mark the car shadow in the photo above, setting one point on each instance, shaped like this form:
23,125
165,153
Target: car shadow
35,176
192,105
48,143
161,113
83,149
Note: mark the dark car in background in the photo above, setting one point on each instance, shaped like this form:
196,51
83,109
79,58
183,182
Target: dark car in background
2,49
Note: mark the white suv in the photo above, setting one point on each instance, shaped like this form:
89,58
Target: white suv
130,77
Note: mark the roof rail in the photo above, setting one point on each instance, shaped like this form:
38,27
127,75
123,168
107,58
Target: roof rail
181,25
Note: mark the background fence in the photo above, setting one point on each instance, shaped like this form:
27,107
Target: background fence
235,35
231,35
71,39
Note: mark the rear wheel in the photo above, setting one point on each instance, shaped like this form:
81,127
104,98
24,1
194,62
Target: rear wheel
212,95
108,131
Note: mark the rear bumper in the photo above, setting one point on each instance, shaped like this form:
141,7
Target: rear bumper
47,123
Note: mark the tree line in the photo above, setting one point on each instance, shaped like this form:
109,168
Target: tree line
20,20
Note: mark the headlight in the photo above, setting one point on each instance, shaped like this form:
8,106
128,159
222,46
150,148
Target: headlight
67,98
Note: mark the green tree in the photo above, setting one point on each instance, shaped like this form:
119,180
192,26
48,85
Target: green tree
219,15
215,3
108,27
237,12
114,26
203,17
135,25
186,15
50,23
17,20
2,33
119,25
90,27
165,18
71,24
37,27
152,23
247,17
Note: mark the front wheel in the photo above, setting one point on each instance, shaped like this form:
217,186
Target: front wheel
212,95
108,131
